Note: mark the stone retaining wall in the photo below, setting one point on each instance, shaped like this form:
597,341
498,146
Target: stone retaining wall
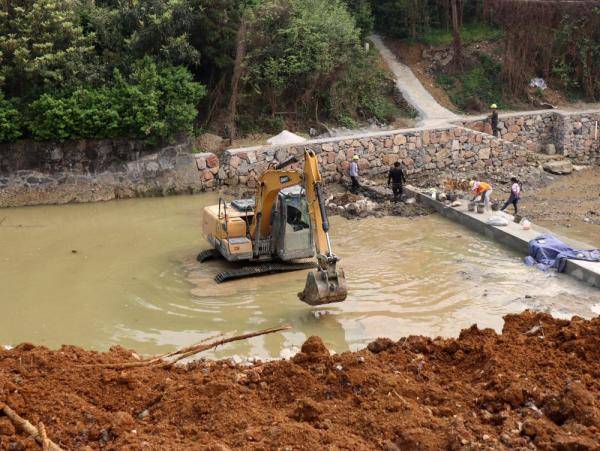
101,170
423,152
572,133
86,171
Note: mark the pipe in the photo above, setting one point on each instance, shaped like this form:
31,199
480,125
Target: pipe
286,163
322,208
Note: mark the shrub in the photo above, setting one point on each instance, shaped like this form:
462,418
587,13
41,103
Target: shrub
10,121
152,104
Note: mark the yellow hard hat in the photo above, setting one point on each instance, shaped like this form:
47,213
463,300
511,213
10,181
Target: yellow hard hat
493,106
471,183
355,157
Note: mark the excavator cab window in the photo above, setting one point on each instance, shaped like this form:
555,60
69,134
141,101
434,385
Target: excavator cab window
295,240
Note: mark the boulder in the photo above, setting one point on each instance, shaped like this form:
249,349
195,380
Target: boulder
550,149
559,167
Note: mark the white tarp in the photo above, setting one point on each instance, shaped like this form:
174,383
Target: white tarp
286,137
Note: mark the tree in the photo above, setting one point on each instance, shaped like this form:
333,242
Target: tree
457,42
10,120
43,47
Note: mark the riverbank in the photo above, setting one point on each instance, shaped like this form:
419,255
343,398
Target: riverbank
534,385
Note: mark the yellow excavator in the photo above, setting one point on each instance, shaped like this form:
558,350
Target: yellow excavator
284,223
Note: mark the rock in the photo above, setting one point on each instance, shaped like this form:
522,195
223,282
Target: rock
559,167
410,201
212,161
550,149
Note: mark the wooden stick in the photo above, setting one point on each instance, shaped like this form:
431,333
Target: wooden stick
187,351
201,348
147,362
45,441
30,429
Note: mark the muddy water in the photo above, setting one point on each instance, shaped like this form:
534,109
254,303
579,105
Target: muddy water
125,273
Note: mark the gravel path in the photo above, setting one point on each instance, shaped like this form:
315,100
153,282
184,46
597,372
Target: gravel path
430,112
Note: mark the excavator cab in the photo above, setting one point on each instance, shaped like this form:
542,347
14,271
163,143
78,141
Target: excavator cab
292,232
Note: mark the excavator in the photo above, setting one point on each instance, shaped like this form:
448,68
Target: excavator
284,223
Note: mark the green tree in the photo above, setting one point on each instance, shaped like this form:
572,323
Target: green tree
298,48
43,47
10,120
152,103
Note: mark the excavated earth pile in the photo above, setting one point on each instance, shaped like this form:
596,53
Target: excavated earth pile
536,385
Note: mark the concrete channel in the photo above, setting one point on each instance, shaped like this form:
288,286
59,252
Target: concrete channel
513,235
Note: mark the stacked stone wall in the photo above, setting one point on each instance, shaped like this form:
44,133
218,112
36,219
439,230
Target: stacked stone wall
572,133
86,171
425,153
101,170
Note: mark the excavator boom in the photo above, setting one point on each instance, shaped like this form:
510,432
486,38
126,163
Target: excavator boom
326,284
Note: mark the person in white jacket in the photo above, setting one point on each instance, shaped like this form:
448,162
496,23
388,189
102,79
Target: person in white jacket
354,174
515,195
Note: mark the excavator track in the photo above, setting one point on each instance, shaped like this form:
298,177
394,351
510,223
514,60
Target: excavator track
208,254
261,269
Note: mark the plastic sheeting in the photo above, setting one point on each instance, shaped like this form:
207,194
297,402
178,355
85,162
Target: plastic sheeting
547,252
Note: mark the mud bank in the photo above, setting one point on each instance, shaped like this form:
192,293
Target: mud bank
534,385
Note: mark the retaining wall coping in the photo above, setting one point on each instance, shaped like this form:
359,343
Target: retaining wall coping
383,133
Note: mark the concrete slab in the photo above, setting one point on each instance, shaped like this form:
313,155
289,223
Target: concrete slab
512,235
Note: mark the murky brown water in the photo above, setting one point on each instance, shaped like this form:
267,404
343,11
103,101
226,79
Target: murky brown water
134,281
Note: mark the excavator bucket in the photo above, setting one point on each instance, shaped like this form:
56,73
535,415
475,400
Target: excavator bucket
323,287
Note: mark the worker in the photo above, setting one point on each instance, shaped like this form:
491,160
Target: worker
483,190
354,174
494,119
515,195
396,178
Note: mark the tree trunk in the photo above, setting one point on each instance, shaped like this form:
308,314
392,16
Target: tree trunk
458,57
238,71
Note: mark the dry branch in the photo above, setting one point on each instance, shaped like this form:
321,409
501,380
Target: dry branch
188,351
204,347
26,426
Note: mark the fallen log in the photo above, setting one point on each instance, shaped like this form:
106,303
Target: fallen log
26,426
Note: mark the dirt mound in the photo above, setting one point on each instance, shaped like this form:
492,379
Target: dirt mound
534,385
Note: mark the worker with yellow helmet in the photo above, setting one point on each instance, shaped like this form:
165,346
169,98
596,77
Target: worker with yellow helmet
494,119
483,190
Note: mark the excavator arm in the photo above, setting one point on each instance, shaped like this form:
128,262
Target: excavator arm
327,283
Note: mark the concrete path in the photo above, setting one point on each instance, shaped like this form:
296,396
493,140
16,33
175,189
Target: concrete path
430,112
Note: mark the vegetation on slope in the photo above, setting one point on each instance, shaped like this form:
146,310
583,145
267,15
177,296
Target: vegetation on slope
81,69
557,41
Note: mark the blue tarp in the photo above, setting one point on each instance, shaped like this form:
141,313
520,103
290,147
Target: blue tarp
547,251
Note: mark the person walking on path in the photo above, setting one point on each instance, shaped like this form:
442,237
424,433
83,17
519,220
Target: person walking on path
494,119
482,189
354,174
396,178
515,195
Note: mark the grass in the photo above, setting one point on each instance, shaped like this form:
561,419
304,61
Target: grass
476,87
468,33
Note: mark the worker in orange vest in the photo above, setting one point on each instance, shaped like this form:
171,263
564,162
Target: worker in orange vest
482,189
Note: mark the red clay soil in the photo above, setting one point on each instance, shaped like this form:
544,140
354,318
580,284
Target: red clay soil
534,386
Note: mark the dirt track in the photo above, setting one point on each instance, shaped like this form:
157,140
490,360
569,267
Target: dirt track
536,385
569,204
